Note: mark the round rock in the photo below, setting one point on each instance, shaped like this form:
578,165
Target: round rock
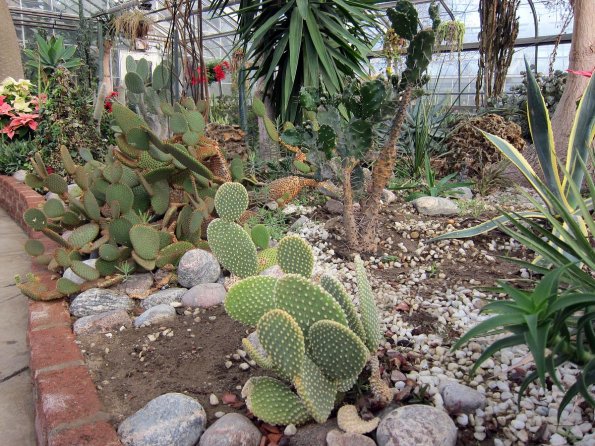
99,300
137,284
156,315
102,322
435,206
198,266
418,425
170,419
205,295
163,297
70,275
20,175
459,398
231,430
338,438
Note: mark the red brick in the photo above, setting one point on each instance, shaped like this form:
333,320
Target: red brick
52,347
46,313
96,434
64,396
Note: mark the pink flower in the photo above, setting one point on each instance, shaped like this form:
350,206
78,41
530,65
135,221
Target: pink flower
19,121
5,107
582,72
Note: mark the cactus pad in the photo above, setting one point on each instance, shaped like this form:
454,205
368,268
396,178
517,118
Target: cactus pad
122,194
337,350
273,402
191,138
349,420
119,231
367,307
231,200
248,300
147,265
283,340
145,241
178,123
259,356
33,181
258,107
295,256
160,198
232,247
306,302
196,121
113,172
172,254
34,247
56,184
53,208
67,161
105,267
91,206
67,287
260,236
138,138
83,234
134,83
84,271
266,258
109,252
335,289
316,391
35,219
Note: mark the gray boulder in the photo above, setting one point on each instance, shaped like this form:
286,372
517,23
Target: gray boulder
418,425
20,175
232,429
204,296
459,398
462,193
102,322
166,296
198,266
70,275
338,438
137,284
99,300
388,196
168,420
435,206
155,315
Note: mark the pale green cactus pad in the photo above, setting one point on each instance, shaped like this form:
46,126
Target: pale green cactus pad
335,289
306,302
317,393
283,340
233,247
263,361
337,350
247,301
273,402
367,307
294,256
231,201
83,234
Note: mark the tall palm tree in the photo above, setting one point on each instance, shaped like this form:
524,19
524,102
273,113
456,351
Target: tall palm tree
10,55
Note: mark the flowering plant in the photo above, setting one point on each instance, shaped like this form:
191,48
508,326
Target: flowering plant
19,109
109,101
215,72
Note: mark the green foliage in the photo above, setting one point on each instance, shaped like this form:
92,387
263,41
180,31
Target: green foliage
307,337
50,55
295,256
231,201
233,247
15,155
579,148
290,42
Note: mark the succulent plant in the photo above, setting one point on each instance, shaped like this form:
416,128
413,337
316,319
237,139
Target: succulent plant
304,335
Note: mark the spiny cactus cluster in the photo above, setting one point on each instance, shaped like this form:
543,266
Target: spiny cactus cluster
310,335
236,247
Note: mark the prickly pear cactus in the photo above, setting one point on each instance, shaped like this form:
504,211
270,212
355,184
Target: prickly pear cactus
311,335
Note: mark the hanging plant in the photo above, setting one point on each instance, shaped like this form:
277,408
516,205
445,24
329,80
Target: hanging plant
132,25
451,34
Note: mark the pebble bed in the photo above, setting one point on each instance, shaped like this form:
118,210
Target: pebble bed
458,307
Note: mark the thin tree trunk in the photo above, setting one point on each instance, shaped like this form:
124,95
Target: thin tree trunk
348,216
106,62
582,57
381,174
10,53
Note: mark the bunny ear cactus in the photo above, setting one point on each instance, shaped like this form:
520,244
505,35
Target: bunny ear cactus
310,335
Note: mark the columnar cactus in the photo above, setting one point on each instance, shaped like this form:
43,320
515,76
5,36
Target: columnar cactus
309,334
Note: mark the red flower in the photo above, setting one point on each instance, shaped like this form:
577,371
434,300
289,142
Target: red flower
109,100
219,73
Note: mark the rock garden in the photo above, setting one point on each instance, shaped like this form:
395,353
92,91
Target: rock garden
350,263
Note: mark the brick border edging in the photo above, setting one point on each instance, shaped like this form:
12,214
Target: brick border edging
68,411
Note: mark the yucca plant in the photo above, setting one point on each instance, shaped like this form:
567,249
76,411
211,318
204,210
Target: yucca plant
552,186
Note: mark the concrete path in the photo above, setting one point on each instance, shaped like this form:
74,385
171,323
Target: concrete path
16,397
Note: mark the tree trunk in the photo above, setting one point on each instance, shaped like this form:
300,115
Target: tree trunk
106,63
266,147
10,55
348,215
381,173
582,57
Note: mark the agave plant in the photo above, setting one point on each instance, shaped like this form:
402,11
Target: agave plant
557,319
552,186
51,54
